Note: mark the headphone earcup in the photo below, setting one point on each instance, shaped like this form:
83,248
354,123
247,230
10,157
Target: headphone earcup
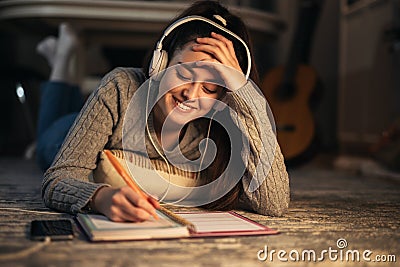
158,62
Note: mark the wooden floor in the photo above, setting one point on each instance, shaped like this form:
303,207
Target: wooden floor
327,205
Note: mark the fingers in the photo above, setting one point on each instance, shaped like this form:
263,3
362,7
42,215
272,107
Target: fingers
124,204
138,201
214,47
228,43
228,77
154,202
220,47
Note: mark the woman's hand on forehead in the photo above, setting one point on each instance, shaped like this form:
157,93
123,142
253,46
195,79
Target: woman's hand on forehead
220,48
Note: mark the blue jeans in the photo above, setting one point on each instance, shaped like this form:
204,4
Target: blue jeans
60,104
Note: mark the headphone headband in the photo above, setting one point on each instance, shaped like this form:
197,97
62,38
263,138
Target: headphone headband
159,63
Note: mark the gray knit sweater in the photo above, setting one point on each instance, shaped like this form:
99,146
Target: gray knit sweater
66,186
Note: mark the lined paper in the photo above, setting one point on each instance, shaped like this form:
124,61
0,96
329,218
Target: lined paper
219,222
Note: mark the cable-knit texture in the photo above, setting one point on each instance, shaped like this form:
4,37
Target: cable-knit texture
66,186
266,181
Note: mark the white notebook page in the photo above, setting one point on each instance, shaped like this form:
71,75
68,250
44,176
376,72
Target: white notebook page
219,222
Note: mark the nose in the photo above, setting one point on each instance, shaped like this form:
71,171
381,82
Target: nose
191,91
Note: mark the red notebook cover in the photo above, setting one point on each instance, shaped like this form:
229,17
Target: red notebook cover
224,224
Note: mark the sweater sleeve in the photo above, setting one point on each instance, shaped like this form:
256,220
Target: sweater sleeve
66,186
265,181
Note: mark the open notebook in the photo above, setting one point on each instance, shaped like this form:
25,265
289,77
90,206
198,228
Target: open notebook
188,224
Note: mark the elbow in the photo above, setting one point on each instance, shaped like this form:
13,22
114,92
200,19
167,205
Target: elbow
45,190
279,211
282,208
45,196
276,209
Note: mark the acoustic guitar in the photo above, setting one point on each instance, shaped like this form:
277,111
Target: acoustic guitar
290,88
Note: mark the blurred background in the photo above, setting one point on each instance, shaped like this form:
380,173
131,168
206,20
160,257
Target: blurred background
330,69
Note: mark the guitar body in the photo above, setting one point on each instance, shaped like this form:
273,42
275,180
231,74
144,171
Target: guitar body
293,116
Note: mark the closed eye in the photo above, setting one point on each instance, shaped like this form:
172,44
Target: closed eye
209,90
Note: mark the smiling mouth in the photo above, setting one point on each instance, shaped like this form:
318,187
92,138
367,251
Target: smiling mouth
183,106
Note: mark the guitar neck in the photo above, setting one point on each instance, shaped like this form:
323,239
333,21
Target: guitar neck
301,43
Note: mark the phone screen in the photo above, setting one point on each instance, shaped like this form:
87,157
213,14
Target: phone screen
54,229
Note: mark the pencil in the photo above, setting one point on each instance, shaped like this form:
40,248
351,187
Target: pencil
128,180
178,218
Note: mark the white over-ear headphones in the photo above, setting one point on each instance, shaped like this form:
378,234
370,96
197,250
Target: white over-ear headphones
159,60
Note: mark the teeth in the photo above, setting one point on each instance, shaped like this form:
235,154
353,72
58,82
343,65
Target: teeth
182,106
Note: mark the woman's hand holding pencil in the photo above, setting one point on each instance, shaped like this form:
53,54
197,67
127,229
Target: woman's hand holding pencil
128,203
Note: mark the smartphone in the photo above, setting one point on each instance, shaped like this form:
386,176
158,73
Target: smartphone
53,229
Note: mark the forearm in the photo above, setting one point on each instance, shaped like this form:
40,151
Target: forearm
69,194
265,182
66,186
272,196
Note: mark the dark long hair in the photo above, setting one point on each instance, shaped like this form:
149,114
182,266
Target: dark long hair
188,32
